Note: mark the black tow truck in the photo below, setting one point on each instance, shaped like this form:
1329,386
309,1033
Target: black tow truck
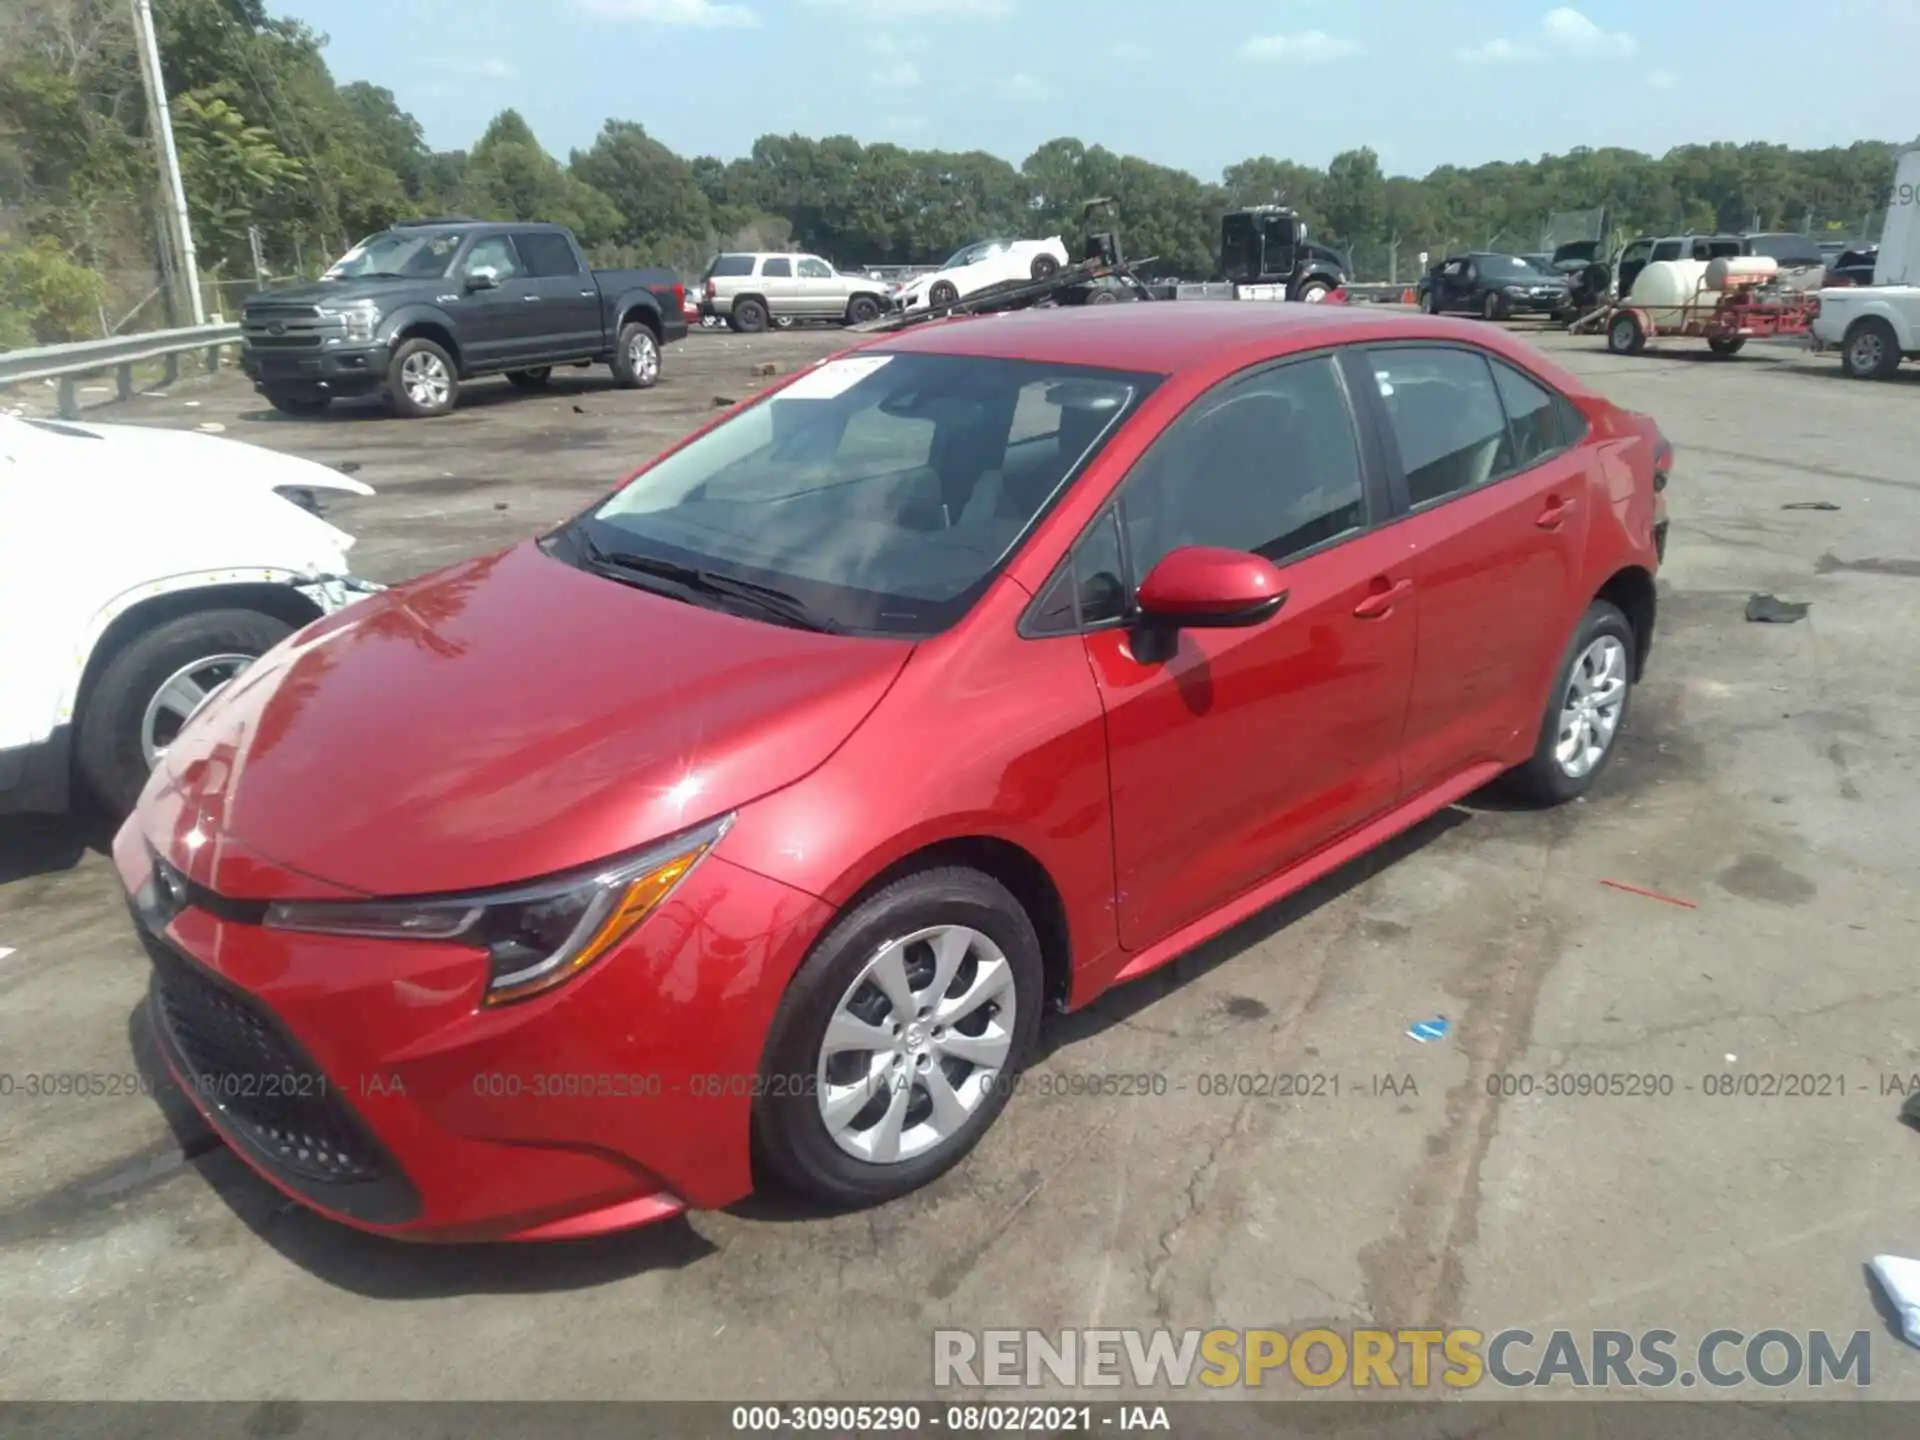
417,309
1264,254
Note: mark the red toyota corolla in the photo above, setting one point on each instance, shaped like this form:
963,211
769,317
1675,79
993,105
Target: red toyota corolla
746,824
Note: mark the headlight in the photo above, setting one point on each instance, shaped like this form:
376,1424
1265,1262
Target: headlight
358,317
536,936
1516,289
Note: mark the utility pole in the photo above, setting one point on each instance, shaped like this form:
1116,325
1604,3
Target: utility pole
168,156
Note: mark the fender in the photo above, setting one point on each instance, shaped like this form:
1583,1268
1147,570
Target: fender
628,301
325,592
419,313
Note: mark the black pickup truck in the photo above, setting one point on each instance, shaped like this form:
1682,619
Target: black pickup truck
415,310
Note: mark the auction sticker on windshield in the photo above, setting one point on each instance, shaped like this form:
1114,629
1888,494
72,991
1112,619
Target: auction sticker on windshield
833,377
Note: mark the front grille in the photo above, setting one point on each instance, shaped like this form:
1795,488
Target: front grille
267,1097
288,327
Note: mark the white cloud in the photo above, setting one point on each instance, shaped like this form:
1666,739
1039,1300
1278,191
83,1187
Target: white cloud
1662,80
490,67
1130,51
1563,31
1024,87
1309,47
901,75
694,14
922,9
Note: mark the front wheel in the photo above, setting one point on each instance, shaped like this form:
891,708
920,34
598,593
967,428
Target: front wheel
1584,713
942,293
1493,307
1430,302
153,686
898,1042
421,380
1871,350
636,358
862,310
1315,292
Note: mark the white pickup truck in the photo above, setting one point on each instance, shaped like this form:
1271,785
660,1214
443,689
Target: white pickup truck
1875,326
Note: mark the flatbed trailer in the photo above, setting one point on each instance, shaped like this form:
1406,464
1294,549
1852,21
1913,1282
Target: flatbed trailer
1725,319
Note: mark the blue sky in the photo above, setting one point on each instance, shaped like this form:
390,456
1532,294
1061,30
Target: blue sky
1425,82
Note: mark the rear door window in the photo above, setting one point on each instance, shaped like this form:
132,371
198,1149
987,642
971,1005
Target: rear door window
1668,250
545,253
1447,418
781,269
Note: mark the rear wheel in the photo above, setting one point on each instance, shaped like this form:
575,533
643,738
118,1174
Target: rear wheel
1871,350
535,379
1043,266
1625,335
1584,713
298,402
636,357
896,1046
750,316
1726,344
156,683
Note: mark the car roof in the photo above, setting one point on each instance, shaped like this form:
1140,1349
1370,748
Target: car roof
1172,337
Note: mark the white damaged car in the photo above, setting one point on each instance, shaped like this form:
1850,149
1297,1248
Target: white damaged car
140,570
984,263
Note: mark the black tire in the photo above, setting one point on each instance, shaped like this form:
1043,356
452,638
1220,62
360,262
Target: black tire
107,746
1542,779
1043,266
790,1137
749,315
862,310
1430,302
942,293
397,396
535,379
1870,351
1494,306
1726,344
1625,334
1100,295
298,402
636,357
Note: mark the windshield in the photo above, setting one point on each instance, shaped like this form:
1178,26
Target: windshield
882,491
1507,267
973,253
1788,250
421,254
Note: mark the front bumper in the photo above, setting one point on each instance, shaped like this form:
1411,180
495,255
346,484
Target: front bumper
1556,304
328,370
363,1079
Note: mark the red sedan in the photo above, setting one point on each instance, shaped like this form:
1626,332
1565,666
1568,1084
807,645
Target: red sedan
745,826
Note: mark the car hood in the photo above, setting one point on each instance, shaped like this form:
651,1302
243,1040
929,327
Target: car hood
500,720
343,290
162,484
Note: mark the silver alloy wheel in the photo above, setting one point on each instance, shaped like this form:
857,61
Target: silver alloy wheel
1316,295
643,355
180,696
1590,711
1866,352
427,380
915,1044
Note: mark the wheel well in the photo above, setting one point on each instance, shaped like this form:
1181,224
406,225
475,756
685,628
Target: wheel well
1024,876
757,299
283,602
428,330
1632,591
646,316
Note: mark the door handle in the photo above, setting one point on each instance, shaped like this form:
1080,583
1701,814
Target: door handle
1383,598
1555,513
530,299
587,294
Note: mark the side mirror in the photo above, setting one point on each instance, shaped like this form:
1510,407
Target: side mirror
484,279
1203,586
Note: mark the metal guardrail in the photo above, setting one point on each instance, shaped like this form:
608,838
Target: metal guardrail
68,363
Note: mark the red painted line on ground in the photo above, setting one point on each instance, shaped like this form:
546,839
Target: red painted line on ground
1650,894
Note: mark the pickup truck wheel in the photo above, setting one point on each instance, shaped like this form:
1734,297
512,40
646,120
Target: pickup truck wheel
298,402
750,316
1871,350
153,686
535,379
421,380
636,362
862,309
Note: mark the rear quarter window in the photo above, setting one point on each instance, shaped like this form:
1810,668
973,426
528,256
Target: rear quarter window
730,265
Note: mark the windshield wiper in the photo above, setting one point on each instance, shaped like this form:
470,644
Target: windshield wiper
789,609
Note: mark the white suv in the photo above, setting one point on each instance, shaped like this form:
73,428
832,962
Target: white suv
140,570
